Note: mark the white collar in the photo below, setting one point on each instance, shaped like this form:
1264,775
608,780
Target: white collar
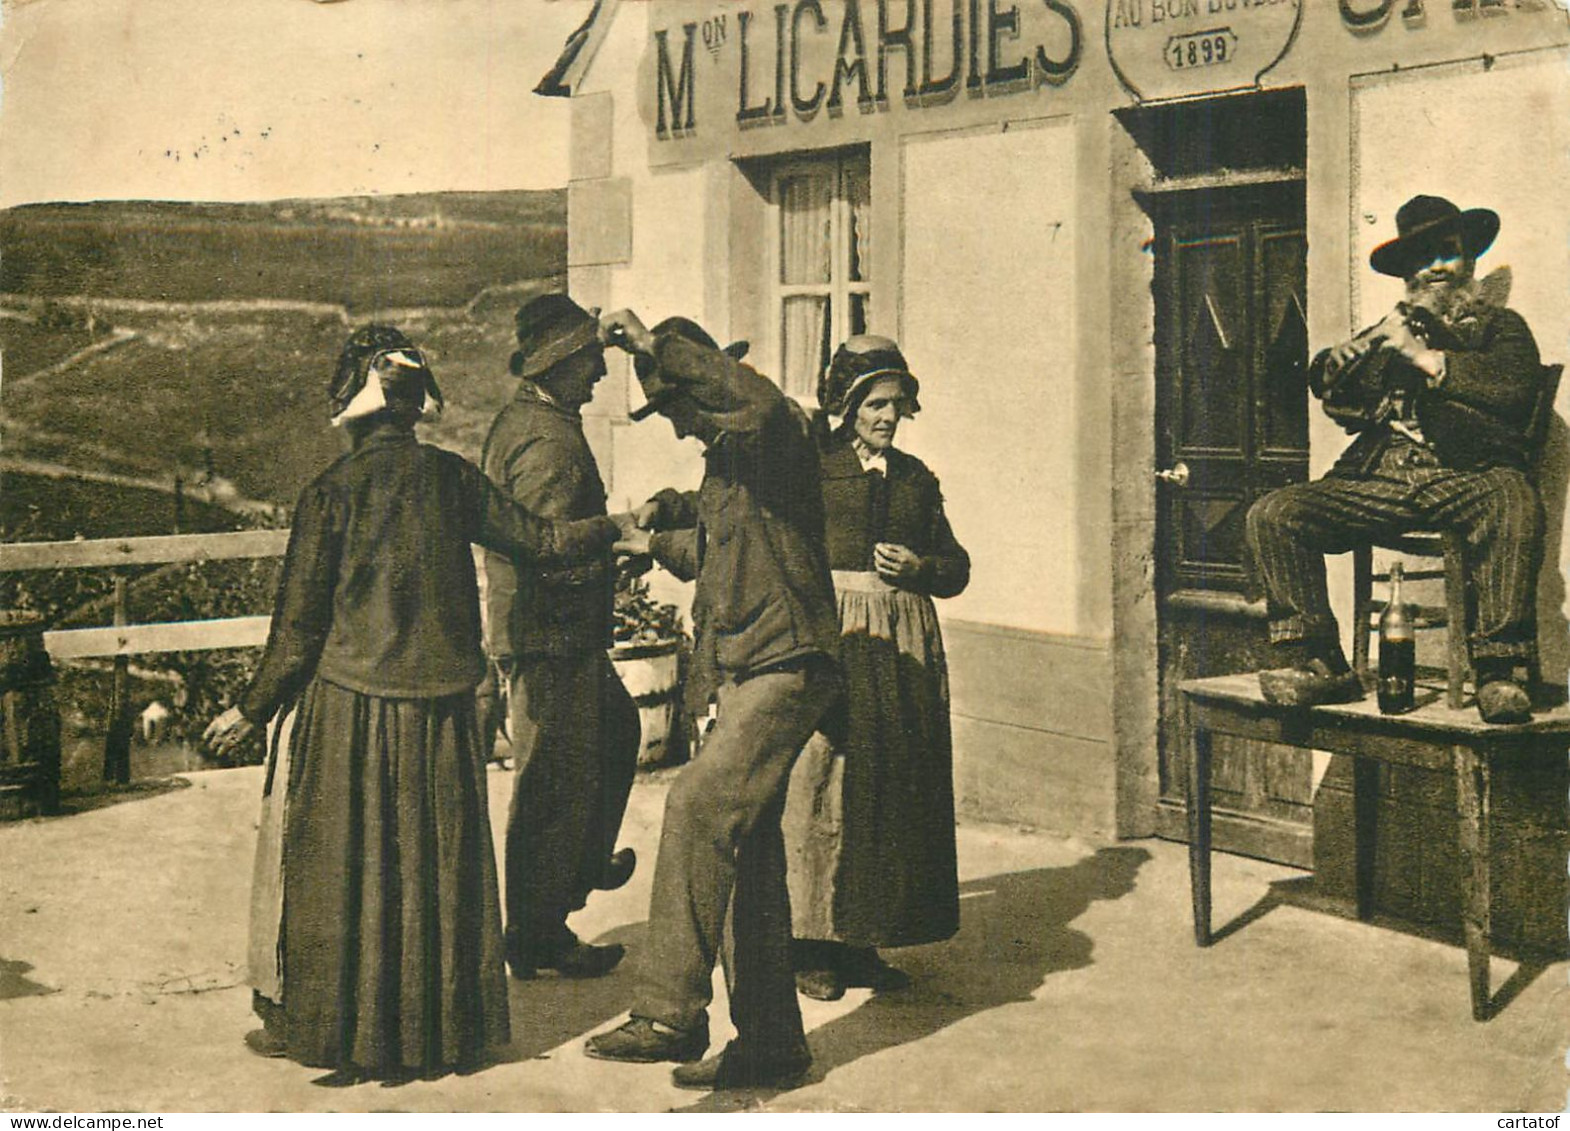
871,460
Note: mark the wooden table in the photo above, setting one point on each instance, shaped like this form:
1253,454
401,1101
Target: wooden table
1432,737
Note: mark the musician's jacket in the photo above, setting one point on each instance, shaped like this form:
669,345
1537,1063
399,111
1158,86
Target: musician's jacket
1477,417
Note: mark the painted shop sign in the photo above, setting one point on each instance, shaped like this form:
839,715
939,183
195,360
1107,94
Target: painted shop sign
716,71
1175,48
1371,15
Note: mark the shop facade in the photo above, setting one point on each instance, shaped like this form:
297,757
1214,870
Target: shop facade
1107,234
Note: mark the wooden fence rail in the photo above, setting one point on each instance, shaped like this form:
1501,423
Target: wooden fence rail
100,552
124,639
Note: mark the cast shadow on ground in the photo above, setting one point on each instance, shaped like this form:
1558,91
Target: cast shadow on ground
106,794
1301,891
548,1011
545,1012
1014,932
14,982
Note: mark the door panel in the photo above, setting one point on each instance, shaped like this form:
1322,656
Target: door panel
1231,404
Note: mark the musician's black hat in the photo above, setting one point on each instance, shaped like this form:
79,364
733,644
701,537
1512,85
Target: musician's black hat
1421,223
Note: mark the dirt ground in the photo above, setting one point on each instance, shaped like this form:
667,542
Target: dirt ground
1074,984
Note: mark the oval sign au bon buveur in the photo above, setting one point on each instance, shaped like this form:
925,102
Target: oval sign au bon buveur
1176,48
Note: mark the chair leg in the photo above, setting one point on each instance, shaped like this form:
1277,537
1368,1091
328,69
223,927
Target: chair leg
1362,606
1458,623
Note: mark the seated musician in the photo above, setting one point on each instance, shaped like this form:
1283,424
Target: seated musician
1441,394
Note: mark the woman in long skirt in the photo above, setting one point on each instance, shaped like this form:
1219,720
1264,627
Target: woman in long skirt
388,957
869,821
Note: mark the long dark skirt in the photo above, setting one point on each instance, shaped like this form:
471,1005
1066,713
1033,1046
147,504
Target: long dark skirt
869,821
391,941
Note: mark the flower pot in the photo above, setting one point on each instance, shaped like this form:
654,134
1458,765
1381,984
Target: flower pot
651,674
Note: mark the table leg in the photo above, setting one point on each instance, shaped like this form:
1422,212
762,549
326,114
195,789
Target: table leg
1198,812
1365,828
1473,786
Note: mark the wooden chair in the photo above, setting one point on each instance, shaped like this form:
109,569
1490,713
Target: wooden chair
1450,549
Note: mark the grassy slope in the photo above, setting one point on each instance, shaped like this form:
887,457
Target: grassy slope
247,385
250,384
366,253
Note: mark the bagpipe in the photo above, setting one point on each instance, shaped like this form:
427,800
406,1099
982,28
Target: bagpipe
1371,385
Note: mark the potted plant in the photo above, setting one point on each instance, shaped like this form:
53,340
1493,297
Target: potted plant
649,656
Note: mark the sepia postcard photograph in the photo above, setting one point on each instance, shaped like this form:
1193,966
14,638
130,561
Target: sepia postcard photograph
855,556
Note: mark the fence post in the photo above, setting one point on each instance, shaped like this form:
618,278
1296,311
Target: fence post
117,743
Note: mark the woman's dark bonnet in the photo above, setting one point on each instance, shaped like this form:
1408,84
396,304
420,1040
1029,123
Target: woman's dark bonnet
853,370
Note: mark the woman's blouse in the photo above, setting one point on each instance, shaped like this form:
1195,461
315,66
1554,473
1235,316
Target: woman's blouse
902,504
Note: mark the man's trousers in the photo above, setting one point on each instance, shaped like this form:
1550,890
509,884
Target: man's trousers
1497,511
575,735
722,853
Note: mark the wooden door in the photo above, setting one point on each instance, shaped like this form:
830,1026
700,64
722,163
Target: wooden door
1231,424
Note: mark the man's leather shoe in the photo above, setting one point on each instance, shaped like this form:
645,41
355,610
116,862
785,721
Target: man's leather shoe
574,959
738,1066
820,985
644,1042
618,869
1504,701
1311,686
867,968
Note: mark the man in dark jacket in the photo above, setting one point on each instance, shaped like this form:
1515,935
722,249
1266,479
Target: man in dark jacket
574,727
1441,393
766,635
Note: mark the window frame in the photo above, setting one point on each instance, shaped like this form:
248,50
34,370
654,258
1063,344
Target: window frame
840,288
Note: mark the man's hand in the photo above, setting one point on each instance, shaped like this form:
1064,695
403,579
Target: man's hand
633,543
225,733
1395,332
647,515
625,330
1390,332
895,562
1397,335
1345,353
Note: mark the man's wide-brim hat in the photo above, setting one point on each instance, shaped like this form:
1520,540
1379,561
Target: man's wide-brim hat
658,388
1422,224
551,328
859,362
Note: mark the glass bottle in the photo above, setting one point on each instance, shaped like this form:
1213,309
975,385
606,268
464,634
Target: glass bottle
1397,651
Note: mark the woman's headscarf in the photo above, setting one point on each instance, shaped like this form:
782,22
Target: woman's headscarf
405,385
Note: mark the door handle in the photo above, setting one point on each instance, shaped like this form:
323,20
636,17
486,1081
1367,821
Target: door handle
1177,474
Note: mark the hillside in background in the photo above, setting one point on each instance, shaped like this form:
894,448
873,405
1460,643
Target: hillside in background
154,340
366,253
145,345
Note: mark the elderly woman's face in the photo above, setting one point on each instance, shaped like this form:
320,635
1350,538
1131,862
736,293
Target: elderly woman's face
877,417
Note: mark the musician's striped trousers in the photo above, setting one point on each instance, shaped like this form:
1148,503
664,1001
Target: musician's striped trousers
1498,512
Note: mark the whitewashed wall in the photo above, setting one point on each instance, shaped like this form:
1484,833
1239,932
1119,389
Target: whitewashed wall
989,324
660,273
